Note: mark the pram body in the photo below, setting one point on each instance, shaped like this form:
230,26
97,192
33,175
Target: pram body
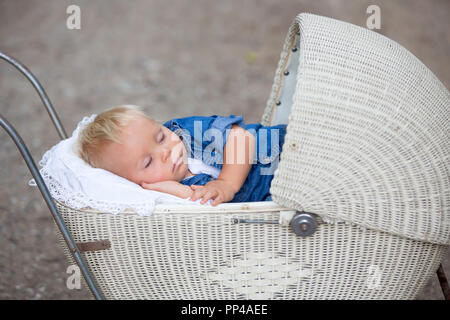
365,154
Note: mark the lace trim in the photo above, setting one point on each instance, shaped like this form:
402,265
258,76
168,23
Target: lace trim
81,201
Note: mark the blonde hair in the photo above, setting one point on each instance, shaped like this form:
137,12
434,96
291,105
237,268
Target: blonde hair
105,128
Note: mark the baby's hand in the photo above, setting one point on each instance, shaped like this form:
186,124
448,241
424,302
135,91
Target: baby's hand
162,186
220,190
172,187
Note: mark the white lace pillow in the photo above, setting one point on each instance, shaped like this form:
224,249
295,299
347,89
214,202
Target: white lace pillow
72,181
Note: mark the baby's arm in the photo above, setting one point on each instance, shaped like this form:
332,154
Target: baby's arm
172,187
238,157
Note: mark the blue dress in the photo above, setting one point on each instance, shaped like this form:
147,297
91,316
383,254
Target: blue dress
205,139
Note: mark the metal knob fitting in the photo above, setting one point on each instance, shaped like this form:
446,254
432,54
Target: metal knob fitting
304,224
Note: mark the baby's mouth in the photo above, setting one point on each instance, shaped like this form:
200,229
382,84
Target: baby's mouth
179,158
177,162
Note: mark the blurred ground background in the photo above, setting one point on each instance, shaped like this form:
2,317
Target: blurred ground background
174,58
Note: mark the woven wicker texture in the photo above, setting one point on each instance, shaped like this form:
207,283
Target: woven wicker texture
368,138
187,255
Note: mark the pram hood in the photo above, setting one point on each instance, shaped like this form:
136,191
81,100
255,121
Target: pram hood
368,131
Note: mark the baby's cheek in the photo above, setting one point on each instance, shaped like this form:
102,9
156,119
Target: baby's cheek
159,175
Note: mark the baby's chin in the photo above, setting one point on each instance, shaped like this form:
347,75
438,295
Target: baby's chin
183,171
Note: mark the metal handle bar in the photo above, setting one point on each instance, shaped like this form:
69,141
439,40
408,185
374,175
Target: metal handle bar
38,178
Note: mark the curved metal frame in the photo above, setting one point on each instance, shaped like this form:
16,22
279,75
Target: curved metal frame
46,194
37,176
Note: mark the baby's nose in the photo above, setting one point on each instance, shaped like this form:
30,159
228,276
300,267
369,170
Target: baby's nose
172,153
165,154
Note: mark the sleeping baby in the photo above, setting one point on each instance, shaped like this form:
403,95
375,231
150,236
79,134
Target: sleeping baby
215,158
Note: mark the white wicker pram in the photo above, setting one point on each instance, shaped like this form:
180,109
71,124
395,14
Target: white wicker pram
366,154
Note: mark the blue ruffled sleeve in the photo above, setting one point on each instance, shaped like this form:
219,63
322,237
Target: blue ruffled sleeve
199,179
205,137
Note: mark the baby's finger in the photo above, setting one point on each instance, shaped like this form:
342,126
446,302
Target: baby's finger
207,196
217,201
197,194
195,187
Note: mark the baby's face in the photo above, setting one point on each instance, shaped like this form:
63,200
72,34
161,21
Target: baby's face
149,153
